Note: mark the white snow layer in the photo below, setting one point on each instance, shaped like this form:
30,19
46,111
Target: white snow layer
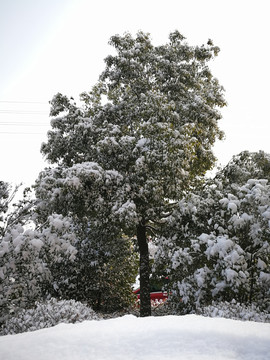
189,337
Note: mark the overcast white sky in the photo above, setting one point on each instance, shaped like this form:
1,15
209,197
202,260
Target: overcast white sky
50,46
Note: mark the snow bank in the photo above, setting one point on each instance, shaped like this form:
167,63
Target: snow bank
189,337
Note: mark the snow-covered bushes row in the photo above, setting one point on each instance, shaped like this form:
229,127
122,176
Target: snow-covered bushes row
47,314
236,311
230,310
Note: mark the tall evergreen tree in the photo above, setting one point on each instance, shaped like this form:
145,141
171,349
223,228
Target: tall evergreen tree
143,137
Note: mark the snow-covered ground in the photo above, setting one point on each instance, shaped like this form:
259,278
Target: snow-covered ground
187,337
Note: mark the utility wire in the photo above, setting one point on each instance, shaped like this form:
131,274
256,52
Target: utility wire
23,102
24,125
20,133
17,123
24,112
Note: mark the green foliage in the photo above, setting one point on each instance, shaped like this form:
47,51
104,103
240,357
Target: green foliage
103,272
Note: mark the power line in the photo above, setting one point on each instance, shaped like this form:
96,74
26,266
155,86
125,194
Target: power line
22,124
20,133
23,102
22,112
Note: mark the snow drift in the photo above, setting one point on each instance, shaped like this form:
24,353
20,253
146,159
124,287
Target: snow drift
170,337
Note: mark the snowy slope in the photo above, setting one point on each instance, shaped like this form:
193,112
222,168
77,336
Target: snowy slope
187,337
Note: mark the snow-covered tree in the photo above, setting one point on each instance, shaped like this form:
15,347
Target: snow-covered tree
143,137
217,242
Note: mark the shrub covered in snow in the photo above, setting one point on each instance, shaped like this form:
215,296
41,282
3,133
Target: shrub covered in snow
47,314
25,256
216,243
236,311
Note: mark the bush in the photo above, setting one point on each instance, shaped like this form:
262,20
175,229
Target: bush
25,256
47,314
236,311
216,246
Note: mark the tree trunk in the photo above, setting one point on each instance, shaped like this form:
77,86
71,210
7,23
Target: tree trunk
145,301
252,280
